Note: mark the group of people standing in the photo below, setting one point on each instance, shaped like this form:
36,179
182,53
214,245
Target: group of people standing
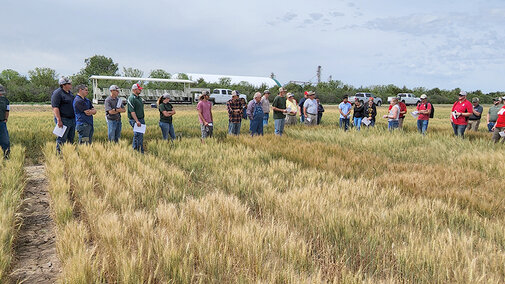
75,113
284,107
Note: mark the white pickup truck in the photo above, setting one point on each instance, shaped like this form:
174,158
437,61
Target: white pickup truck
406,98
222,96
364,97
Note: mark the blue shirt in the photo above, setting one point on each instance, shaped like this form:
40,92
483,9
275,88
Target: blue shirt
311,105
345,107
63,101
80,105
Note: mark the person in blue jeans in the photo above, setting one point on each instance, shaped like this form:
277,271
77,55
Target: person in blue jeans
62,101
136,116
358,113
166,113
345,113
4,116
113,108
255,114
84,112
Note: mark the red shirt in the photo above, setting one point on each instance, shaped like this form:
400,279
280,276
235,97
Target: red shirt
403,108
500,122
422,106
462,107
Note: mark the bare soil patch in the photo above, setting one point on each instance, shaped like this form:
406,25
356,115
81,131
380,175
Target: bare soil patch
36,260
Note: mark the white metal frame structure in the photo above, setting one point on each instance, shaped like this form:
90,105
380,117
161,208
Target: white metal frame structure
149,95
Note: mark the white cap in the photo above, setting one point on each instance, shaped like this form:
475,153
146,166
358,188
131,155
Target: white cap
113,88
64,80
136,87
462,93
424,96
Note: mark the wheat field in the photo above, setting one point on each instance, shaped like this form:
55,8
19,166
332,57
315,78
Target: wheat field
316,205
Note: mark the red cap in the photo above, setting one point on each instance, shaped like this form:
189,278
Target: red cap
136,86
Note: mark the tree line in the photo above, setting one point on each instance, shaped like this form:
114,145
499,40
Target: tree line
40,83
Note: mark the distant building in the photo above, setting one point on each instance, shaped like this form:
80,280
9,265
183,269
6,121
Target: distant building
255,81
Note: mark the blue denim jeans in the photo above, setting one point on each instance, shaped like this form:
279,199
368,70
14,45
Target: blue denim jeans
302,117
459,130
357,122
490,126
138,138
265,118
167,129
114,130
256,126
393,124
234,128
344,123
85,132
69,134
4,139
422,126
279,126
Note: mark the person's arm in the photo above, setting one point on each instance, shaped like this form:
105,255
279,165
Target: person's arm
7,111
200,114
305,111
55,103
487,118
476,112
468,113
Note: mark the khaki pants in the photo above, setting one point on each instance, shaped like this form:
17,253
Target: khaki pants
312,118
496,135
473,125
400,122
291,119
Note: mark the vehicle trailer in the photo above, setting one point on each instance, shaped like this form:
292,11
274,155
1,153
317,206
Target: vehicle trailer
148,95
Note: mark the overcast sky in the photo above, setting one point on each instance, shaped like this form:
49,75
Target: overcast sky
445,44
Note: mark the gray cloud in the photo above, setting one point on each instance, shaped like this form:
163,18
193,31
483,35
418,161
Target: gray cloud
336,14
288,17
316,16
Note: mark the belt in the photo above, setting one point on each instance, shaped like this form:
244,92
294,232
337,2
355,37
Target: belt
311,113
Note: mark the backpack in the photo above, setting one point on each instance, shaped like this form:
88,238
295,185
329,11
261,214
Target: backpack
432,113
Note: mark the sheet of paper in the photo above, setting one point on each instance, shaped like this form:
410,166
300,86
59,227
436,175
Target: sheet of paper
366,121
119,103
454,115
415,114
59,131
502,134
141,129
288,109
210,124
308,119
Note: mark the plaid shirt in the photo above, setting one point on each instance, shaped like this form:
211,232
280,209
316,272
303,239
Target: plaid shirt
235,117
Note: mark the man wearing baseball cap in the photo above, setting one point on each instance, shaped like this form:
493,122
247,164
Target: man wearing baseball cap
4,116
62,101
279,107
136,116
265,103
474,118
492,114
424,109
113,109
461,110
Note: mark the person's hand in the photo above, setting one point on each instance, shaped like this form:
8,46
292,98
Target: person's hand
206,123
492,129
138,123
60,123
385,116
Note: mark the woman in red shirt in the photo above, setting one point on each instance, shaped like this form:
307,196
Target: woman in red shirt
499,126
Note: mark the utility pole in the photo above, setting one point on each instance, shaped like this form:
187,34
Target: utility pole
330,79
272,75
318,74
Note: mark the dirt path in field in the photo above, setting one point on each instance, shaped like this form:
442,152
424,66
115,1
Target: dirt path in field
35,255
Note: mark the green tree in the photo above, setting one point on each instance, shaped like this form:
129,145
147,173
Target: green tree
43,81
132,72
99,65
18,89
